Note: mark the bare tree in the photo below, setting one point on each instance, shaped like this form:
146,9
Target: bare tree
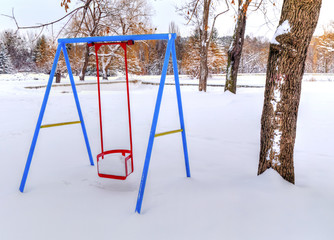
87,24
202,12
266,8
204,46
286,63
235,50
124,17
113,17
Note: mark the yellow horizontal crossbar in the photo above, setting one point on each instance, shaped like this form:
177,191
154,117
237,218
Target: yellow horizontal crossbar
59,124
166,133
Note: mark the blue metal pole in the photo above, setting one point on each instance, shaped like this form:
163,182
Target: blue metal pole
162,36
179,103
154,125
76,98
39,121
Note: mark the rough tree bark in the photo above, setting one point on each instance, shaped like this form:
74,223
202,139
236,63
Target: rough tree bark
235,50
203,69
288,51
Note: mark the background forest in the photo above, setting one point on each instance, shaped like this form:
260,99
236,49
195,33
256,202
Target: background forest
31,53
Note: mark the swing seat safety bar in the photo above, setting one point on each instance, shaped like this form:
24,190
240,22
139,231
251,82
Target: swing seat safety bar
59,124
168,132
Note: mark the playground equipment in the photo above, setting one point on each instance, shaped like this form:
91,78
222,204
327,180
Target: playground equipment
127,154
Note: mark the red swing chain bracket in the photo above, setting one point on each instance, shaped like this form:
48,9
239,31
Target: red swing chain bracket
99,44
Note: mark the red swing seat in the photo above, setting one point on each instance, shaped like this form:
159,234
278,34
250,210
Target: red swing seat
115,164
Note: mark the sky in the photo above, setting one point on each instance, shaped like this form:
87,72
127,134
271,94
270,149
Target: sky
30,12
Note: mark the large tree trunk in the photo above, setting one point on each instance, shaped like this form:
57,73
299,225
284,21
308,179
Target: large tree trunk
203,69
235,50
288,51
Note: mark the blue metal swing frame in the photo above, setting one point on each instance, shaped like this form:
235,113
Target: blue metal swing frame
170,51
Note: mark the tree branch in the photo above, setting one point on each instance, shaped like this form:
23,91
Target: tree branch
49,23
214,21
194,9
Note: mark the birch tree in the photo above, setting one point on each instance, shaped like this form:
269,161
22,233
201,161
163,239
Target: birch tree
286,63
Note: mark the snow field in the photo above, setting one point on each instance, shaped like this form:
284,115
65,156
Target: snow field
224,199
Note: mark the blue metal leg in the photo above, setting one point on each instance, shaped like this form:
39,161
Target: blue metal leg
39,121
179,103
153,127
69,70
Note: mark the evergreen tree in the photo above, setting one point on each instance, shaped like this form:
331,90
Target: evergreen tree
5,61
191,59
39,54
17,49
42,54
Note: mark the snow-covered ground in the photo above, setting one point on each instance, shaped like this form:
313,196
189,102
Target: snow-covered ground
224,199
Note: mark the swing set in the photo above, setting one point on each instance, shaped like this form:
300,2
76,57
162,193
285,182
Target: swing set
105,159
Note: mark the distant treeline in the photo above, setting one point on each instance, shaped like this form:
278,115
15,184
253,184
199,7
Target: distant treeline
29,53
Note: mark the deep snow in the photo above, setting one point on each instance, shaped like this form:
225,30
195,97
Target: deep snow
224,199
